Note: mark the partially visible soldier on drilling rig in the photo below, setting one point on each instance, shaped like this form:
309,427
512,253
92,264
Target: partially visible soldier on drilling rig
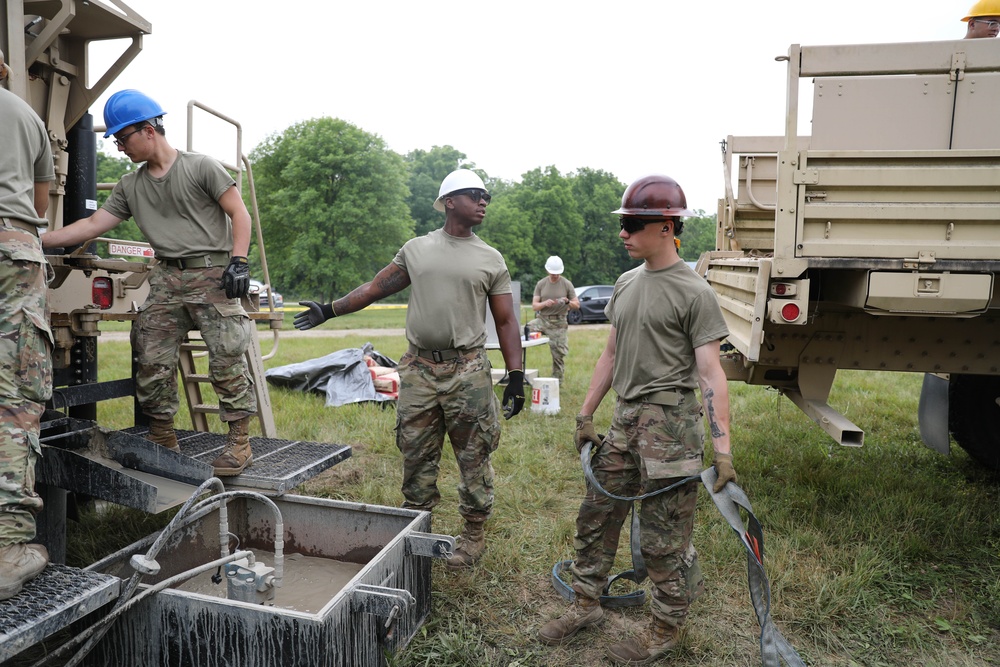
190,211
983,19
26,169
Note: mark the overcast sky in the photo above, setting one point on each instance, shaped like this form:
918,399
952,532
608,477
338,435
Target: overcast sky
631,87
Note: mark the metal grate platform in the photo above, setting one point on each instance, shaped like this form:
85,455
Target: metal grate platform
278,465
60,595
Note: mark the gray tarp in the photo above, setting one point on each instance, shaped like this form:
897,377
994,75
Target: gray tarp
343,376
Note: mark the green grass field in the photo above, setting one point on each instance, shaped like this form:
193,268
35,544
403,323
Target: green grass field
886,555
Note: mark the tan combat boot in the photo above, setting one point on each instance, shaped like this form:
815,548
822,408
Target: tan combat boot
19,564
651,645
471,545
237,454
584,612
161,431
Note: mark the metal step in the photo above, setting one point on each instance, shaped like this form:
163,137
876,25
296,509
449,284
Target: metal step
59,596
278,465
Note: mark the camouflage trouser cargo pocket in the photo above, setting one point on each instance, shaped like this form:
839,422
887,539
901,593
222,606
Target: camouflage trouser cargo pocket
234,329
34,374
25,337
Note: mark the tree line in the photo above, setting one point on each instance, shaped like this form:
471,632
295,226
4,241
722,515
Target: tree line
336,204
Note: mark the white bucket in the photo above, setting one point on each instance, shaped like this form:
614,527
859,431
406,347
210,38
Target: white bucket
545,395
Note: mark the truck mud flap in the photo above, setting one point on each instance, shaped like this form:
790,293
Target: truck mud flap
932,412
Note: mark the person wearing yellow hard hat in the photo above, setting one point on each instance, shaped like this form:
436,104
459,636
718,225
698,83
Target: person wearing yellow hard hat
983,19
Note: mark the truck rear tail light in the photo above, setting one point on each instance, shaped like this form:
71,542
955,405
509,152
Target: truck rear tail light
783,289
102,293
790,312
787,311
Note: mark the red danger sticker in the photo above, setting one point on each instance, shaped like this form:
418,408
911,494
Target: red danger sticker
130,250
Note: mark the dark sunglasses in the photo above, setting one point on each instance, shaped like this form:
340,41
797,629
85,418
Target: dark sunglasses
475,194
633,225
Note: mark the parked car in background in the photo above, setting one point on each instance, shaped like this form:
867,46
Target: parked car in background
258,287
592,298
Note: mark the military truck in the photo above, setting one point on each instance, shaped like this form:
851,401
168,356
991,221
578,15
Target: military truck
47,44
872,241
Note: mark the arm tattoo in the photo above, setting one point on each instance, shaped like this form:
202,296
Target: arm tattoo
710,406
393,282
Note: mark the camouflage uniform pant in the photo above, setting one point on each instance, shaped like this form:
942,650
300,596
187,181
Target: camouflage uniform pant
25,379
557,332
181,300
454,397
648,447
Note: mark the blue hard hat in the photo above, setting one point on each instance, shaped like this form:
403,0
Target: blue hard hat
128,107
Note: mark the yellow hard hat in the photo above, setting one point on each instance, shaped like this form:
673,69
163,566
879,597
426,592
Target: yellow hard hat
984,8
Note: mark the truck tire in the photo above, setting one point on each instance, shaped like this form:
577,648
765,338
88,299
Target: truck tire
574,316
974,416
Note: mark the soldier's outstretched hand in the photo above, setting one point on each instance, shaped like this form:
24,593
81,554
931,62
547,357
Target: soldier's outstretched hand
314,315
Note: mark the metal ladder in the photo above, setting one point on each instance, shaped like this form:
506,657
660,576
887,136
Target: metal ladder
192,381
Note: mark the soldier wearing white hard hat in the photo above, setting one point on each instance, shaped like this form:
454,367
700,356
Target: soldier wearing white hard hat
445,383
554,297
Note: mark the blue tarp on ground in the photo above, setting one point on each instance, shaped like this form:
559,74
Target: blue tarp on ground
342,376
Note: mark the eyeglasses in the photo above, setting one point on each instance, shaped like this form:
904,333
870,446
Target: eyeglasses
475,194
120,141
989,24
633,225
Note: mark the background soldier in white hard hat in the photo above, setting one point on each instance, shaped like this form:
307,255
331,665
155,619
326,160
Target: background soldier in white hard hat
554,297
445,384
26,170
188,208
983,19
666,328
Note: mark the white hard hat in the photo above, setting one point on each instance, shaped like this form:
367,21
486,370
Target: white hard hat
554,265
460,179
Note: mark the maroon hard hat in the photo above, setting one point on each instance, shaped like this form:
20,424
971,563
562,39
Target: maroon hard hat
654,196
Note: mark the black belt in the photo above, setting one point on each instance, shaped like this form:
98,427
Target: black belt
200,262
437,356
22,225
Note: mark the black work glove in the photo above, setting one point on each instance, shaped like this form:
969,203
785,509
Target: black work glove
314,315
724,468
585,432
513,394
236,278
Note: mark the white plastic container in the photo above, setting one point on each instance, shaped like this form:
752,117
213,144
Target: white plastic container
545,395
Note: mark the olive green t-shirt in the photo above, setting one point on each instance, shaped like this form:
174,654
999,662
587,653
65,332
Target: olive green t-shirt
25,159
660,317
179,213
545,289
451,279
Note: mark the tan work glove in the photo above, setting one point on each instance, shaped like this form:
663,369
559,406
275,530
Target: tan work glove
585,432
724,468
